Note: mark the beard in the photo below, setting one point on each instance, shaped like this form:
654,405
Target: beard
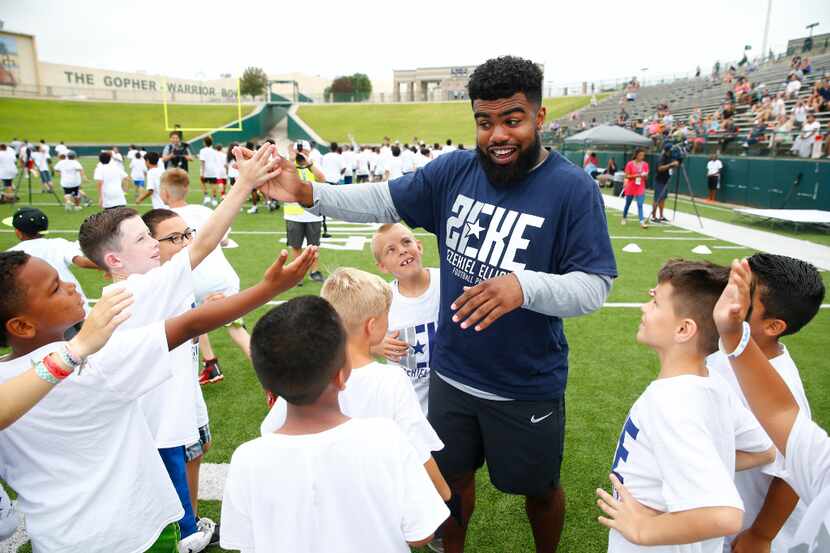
507,176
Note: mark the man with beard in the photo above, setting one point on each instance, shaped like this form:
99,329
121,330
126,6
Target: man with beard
523,242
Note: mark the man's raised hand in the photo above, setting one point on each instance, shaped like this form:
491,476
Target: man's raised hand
259,168
286,185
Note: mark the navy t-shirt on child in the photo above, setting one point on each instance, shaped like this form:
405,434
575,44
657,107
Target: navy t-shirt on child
553,221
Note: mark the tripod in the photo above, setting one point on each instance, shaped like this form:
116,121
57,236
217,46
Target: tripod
29,182
681,170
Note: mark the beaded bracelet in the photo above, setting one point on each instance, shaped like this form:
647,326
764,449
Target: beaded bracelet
43,372
70,359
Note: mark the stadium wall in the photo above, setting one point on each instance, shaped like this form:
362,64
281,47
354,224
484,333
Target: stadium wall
755,182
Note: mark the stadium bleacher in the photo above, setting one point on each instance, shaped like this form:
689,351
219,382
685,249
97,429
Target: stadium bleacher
683,97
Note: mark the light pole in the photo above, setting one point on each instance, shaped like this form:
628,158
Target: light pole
766,30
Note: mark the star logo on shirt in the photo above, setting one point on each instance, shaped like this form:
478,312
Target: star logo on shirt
474,229
418,347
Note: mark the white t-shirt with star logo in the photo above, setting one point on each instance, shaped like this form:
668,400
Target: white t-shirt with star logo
416,319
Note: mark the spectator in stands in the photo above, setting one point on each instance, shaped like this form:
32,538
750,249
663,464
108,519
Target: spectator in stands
757,133
632,89
795,63
823,89
742,90
806,66
727,112
782,132
806,141
793,86
716,71
799,114
591,164
779,107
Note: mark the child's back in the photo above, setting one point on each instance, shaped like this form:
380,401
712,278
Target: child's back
377,390
354,488
677,451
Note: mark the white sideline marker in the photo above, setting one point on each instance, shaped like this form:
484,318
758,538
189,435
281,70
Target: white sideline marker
632,248
703,250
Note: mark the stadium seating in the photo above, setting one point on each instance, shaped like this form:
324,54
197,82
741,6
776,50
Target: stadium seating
684,96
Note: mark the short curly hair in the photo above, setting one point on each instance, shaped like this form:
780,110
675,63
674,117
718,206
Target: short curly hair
12,299
505,76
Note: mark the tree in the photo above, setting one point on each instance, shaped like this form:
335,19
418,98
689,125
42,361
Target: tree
254,81
353,88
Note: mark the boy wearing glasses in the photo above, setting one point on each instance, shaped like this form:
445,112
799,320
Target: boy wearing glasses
214,276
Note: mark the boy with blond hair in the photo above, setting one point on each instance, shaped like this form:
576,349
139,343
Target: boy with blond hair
215,276
687,434
362,300
416,298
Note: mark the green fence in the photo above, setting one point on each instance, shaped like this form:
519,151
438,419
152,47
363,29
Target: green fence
755,182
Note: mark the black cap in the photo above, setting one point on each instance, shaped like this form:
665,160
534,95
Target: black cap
28,220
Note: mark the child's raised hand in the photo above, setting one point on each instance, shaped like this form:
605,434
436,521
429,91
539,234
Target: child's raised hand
733,305
626,515
281,277
105,317
286,186
257,168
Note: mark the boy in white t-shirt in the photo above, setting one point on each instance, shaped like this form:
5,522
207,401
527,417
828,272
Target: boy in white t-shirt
111,178
804,445
686,434
362,300
138,171
152,187
207,172
120,241
413,316
789,293
82,460
216,276
72,176
322,481
30,225
40,156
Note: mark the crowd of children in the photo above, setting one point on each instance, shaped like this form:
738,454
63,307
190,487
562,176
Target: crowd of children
104,439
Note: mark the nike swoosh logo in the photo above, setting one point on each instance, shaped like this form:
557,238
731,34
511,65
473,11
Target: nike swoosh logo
534,420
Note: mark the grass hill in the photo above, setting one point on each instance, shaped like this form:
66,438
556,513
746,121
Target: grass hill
431,122
104,122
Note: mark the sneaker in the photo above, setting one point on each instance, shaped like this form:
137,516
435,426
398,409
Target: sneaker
199,540
663,220
211,372
643,224
317,276
205,522
436,545
213,202
252,210
206,200
622,222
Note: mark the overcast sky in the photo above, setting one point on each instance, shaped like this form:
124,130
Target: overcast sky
576,40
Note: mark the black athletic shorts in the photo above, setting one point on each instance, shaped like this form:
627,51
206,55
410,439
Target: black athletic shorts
73,191
7,183
296,232
714,182
210,180
521,441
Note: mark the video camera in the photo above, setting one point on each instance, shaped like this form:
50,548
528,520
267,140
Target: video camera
678,151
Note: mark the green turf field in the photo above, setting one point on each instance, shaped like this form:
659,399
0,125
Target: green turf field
105,123
431,122
608,369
